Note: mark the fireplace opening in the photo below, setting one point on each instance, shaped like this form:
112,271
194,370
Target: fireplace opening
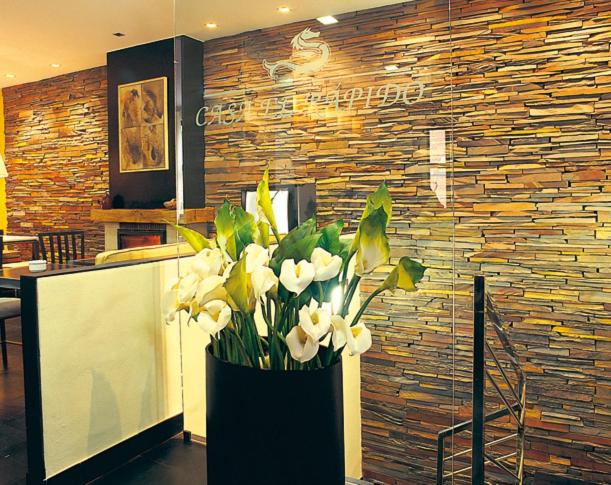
139,235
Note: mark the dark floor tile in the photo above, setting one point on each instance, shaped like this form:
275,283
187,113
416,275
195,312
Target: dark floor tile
13,448
12,472
171,463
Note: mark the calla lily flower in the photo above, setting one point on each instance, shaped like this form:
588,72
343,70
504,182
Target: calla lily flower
371,243
404,276
233,284
239,288
210,288
256,256
301,346
263,280
207,262
171,304
356,338
187,287
296,277
314,321
264,204
326,266
213,316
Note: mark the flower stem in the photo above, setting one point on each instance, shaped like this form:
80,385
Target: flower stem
352,286
364,306
243,349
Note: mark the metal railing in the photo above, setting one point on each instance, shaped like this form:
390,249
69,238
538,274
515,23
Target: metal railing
514,404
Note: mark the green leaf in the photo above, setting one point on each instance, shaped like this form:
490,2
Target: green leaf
225,230
262,238
298,244
346,244
329,237
194,238
380,198
239,288
245,229
404,276
264,204
371,243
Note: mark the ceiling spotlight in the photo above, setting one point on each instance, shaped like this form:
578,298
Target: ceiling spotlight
284,9
55,65
327,20
118,34
9,75
212,25
391,67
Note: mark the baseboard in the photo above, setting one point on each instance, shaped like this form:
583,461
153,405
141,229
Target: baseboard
118,455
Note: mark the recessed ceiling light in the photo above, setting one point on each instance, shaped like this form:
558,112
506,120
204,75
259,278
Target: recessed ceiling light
212,25
284,9
118,34
391,67
327,20
9,75
55,65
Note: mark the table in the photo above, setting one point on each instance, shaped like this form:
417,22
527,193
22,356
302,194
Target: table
10,278
12,239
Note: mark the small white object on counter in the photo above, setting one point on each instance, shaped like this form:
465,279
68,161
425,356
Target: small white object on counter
37,265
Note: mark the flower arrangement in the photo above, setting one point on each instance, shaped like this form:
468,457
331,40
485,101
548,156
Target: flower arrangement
286,307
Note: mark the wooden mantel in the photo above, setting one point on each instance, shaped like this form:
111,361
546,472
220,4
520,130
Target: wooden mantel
152,216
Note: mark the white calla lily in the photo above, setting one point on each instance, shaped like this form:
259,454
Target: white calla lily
214,316
256,256
210,288
171,305
187,287
207,262
301,346
296,277
359,339
314,321
326,266
356,338
263,279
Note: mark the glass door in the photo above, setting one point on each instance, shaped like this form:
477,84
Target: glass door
334,102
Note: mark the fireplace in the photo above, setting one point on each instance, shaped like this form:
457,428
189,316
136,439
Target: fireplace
134,235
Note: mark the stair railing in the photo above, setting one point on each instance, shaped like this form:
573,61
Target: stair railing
514,403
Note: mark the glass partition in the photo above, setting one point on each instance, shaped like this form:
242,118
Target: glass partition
332,111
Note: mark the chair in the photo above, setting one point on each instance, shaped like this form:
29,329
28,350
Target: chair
9,308
1,247
62,246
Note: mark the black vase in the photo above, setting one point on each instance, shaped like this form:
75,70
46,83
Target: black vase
273,427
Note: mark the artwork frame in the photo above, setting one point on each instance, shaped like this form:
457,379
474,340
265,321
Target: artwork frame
143,125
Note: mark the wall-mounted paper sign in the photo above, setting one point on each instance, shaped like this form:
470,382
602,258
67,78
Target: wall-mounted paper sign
437,146
438,184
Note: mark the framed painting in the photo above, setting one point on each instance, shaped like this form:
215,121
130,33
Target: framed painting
143,125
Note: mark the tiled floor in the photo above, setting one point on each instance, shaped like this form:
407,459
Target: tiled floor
172,463
13,454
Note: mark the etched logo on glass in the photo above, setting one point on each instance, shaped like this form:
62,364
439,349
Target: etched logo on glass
305,42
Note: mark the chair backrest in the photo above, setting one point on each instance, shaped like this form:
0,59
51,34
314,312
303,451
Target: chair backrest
62,246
